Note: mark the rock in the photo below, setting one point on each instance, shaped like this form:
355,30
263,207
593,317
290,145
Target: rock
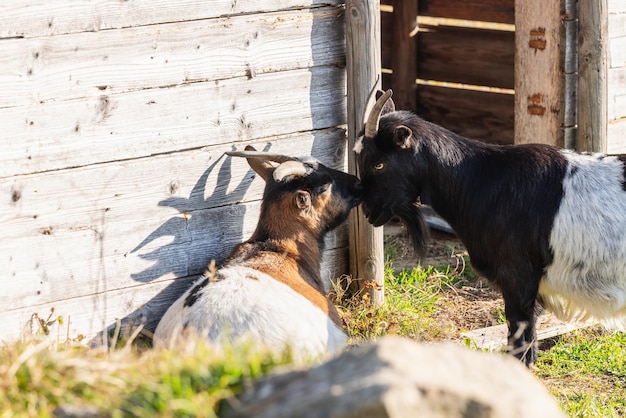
396,377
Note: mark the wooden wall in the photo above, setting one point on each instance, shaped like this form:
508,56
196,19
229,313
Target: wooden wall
464,59
616,79
115,192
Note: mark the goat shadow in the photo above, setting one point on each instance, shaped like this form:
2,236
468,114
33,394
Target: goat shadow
194,242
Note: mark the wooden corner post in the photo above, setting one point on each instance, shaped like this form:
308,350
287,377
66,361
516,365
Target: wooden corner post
538,80
363,72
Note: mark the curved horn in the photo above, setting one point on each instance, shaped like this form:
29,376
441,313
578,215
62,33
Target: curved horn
373,118
291,168
277,158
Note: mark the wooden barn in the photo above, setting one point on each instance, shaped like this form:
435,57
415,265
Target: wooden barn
116,116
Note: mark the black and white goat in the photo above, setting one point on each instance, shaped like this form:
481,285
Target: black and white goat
269,290
547,226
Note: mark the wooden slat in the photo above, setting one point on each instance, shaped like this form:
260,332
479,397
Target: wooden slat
494,338
363,73
616,142
474,114
90,315
403,49
110,226
35,18
538,85
466,55
461,55
59,134
616,87
500,11
592,71
89,65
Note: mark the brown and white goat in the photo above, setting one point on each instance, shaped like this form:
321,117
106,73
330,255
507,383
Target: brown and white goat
269,290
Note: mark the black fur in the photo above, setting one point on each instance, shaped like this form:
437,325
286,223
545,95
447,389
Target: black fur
500,200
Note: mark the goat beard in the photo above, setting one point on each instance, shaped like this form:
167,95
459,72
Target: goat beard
416,227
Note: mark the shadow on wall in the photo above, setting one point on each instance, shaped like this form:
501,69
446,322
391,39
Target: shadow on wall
194,236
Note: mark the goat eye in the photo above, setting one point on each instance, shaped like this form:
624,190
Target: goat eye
379,166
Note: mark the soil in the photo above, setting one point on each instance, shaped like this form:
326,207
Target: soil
476,304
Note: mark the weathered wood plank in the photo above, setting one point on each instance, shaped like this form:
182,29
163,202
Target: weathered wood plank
495,338
500,11
467,55
89,65
592,75
616,131
91,314
538,84
363,74
35,18
451,54
616,88
474,114
403,49
109,226
59,134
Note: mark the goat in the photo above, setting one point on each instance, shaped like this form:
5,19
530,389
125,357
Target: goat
547,226
269,290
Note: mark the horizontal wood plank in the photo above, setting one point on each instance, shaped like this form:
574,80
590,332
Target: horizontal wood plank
91,315
60,134
474,114
616,131
494,338
110,226
90,65
461,55
499,11
35,18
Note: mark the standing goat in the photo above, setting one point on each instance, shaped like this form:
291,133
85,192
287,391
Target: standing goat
269,290
547,226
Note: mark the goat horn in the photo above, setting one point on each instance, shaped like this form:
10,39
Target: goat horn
373,118
291,168
277,158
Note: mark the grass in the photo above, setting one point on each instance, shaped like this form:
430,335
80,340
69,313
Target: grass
36,380
585,370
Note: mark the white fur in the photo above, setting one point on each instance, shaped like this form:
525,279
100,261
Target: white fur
358,145
250,306
587,278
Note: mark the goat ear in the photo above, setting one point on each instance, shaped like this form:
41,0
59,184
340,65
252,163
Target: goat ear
261,167
403,137
303,199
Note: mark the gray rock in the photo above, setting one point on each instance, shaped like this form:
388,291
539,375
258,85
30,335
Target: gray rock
396,377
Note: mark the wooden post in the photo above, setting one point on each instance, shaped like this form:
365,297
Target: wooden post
404,58
363,68
538,81
592,75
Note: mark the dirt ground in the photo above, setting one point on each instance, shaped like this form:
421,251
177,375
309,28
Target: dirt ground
476,304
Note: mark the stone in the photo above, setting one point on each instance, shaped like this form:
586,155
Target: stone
397,377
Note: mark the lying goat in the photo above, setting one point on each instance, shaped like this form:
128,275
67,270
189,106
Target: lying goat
269,290
547,226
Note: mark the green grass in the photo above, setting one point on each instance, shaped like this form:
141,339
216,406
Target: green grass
585,370
190,381
411,298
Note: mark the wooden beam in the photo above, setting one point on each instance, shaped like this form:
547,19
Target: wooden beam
363,73
538,81
592,75
404,59
494,338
